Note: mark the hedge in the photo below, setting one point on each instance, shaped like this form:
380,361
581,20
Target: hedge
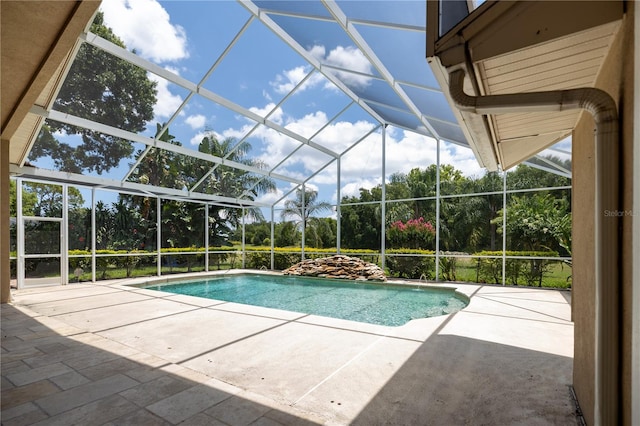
404,263
411,263
528,272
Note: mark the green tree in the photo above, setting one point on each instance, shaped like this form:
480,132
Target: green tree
361,222
103,88
79,228
160,167
467,223
526,177
286,234
537,222
182,224
104,226
257,233
29,201
230,182
303,209
126,222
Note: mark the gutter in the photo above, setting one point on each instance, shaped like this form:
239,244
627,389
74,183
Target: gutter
608,280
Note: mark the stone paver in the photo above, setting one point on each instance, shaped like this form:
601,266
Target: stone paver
36,374
188,403
108,354
83,394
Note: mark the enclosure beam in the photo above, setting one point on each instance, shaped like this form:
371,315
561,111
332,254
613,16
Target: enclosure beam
244,256
383,201
93,235
369,53
64,237
338,205
504,227
130,187
438,146
158,236
20,236
134,137
272,237
304,221
206,237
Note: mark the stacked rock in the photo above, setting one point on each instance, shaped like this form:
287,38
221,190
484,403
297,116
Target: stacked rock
339,267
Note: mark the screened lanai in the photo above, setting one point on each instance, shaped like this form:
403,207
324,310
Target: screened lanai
176,130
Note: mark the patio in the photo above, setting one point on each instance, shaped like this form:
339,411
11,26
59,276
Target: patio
113,354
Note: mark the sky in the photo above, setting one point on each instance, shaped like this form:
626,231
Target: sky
257,74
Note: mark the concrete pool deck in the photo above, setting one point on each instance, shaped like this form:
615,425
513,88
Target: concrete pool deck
108,353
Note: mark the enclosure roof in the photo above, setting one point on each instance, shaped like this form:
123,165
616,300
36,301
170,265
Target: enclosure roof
331,75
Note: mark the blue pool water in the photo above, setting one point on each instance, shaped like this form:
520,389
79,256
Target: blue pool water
391,305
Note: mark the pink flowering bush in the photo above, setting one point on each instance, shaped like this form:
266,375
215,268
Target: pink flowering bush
414,234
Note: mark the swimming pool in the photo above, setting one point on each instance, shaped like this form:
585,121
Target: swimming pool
384,304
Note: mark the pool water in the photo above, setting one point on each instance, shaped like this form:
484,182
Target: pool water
391,305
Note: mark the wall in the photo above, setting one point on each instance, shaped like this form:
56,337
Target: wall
5,274
615,77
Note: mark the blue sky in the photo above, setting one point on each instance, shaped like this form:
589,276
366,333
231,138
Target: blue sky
188,37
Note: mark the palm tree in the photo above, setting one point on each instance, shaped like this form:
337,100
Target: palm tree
230,182
227,181
303,208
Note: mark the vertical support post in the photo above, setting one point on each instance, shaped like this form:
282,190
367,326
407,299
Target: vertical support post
272,238
64,236
19,236
504,227
244,257
206,237
159,235
437,210
338,206
93,235
383,201
304,220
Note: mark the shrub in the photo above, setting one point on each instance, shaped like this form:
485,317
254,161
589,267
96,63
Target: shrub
528,272
448,265
406,263
262,259
414,234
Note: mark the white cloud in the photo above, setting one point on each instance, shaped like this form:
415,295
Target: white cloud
352,189
270,197
317,51
167,103
285,82
308,125
341,135
348,58
197,138
144,25
276,116
196,121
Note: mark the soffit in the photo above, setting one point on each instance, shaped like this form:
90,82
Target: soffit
563,63
38,39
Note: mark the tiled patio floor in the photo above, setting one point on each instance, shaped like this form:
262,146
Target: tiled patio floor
111,354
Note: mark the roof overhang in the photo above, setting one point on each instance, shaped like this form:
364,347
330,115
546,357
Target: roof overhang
40,41
517,47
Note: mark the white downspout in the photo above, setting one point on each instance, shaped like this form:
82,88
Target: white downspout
603,109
